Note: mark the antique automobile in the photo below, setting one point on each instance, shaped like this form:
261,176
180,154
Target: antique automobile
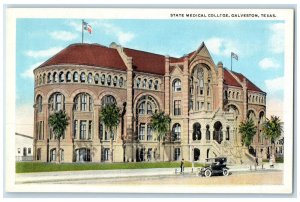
215,166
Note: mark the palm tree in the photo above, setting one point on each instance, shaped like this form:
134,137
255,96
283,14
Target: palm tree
161,124
58,122
110,116
272,129
248,130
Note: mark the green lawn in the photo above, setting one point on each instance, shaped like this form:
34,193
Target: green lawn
29,167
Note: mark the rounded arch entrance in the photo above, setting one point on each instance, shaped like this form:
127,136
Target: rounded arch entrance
218,134
196,154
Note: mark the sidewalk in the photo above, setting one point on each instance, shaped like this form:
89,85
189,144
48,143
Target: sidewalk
106,174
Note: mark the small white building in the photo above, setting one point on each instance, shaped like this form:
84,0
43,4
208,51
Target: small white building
24,147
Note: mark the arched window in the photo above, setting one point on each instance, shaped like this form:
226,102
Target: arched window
83,102
207,132
61,77
108,99
144,83
251,115
196,131
44,78
150,84
75,77
82,77
96,78
53,155
40,103
156,86
237,95
176,132
149,102
49,78
121,81
142,108
40,80
56,102
177,85
68,77
115,81
103,79
90,78
109,80
233,95
138,83
55,77
201,81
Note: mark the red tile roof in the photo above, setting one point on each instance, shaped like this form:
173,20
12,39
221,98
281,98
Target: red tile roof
88,54
101,56
250,85
146,62
230,80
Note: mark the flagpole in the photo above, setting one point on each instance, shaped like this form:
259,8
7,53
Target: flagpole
82,31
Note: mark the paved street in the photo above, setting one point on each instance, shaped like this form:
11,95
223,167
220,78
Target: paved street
238,176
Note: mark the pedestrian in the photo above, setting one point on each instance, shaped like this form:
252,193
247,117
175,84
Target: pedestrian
182,166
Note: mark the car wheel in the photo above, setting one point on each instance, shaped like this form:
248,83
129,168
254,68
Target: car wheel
207,173
225,172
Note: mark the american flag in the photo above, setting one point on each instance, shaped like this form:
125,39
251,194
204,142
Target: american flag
235,56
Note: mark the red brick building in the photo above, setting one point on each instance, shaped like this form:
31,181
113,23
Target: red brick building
205,101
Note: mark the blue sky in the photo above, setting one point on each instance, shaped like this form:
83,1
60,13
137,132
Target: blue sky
259,45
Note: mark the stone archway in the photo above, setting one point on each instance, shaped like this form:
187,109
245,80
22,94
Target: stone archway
218,134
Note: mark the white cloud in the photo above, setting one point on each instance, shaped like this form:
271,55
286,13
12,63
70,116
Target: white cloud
28,73
76,25
123,37
43,53
63,35
24,119
274,85
276,41
221,47
268,63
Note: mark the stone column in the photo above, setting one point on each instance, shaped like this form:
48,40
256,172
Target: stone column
245,99
96,138
67,144
129,112
220,85
167,85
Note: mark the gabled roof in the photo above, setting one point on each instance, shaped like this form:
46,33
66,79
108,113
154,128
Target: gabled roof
146,62
88,54
250,85
230,80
